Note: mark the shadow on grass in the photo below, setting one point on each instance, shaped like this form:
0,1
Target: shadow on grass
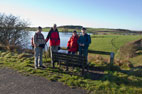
97,73
136,71
123,80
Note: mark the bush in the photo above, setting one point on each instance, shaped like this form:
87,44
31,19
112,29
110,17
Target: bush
12,31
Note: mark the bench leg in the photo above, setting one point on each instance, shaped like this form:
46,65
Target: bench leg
87,67
82,70
67,68
59,63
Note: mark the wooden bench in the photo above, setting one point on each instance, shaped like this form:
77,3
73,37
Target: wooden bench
70,60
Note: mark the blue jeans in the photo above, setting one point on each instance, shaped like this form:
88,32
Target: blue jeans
83,51
38,56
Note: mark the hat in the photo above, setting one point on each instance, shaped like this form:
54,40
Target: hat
39,27
83,28
74,31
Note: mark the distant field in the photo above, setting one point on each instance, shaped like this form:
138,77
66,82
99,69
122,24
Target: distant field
98,31
111,43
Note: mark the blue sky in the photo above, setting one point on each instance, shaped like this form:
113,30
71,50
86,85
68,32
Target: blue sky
126,14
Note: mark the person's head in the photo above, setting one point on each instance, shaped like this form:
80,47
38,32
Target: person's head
83,30
54,27
74,33
39,29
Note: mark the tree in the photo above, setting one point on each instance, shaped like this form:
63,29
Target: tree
12,30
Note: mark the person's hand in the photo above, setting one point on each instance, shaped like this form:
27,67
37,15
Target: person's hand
59,48
81,44
68,47
35,45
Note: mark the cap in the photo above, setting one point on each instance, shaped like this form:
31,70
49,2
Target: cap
83,28
39,27
74,31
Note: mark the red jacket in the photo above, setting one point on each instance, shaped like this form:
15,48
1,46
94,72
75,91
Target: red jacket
54,37
72,44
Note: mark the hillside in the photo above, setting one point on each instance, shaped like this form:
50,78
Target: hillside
99,31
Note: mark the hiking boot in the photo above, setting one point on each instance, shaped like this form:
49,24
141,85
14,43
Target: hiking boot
42,67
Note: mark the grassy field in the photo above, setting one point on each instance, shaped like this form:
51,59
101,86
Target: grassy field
123,78
111,43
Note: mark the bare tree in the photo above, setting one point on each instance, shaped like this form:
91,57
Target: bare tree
12,30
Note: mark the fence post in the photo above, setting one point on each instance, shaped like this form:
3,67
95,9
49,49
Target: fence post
111,58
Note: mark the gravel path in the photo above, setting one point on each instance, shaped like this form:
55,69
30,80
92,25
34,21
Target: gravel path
12,82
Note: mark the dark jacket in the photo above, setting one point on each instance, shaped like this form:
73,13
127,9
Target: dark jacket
86,40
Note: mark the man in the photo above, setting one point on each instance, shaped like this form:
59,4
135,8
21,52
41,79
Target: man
72,44
84,42
54,37
39,43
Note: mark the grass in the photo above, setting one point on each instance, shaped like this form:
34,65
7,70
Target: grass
110,43
102,79
115,80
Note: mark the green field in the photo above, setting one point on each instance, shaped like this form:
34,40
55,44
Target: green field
110,43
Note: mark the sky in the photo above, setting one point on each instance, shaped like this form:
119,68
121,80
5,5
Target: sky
124,14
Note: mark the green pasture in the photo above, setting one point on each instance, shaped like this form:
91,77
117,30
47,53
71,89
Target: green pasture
111,43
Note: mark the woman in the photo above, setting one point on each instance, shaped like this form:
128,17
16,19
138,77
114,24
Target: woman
72,44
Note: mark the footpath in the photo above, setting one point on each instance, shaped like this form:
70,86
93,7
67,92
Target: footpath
12,82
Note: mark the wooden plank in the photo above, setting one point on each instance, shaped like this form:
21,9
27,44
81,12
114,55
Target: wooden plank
99,52
93,52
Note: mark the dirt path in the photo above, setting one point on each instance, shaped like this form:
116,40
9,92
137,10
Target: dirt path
12,82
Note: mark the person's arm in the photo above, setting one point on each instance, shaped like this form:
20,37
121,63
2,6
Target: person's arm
58,36
35,40
32,41
48,36
68,44
89,39
79,41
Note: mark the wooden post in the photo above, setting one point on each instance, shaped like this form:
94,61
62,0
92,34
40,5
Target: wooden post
111,58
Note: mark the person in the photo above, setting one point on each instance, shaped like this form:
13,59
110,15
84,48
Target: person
39,43
54,37
72,44
84,42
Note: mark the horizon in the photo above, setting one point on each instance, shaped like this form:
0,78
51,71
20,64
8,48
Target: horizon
92,13
85,27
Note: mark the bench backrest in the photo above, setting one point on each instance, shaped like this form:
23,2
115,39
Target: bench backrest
69,58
